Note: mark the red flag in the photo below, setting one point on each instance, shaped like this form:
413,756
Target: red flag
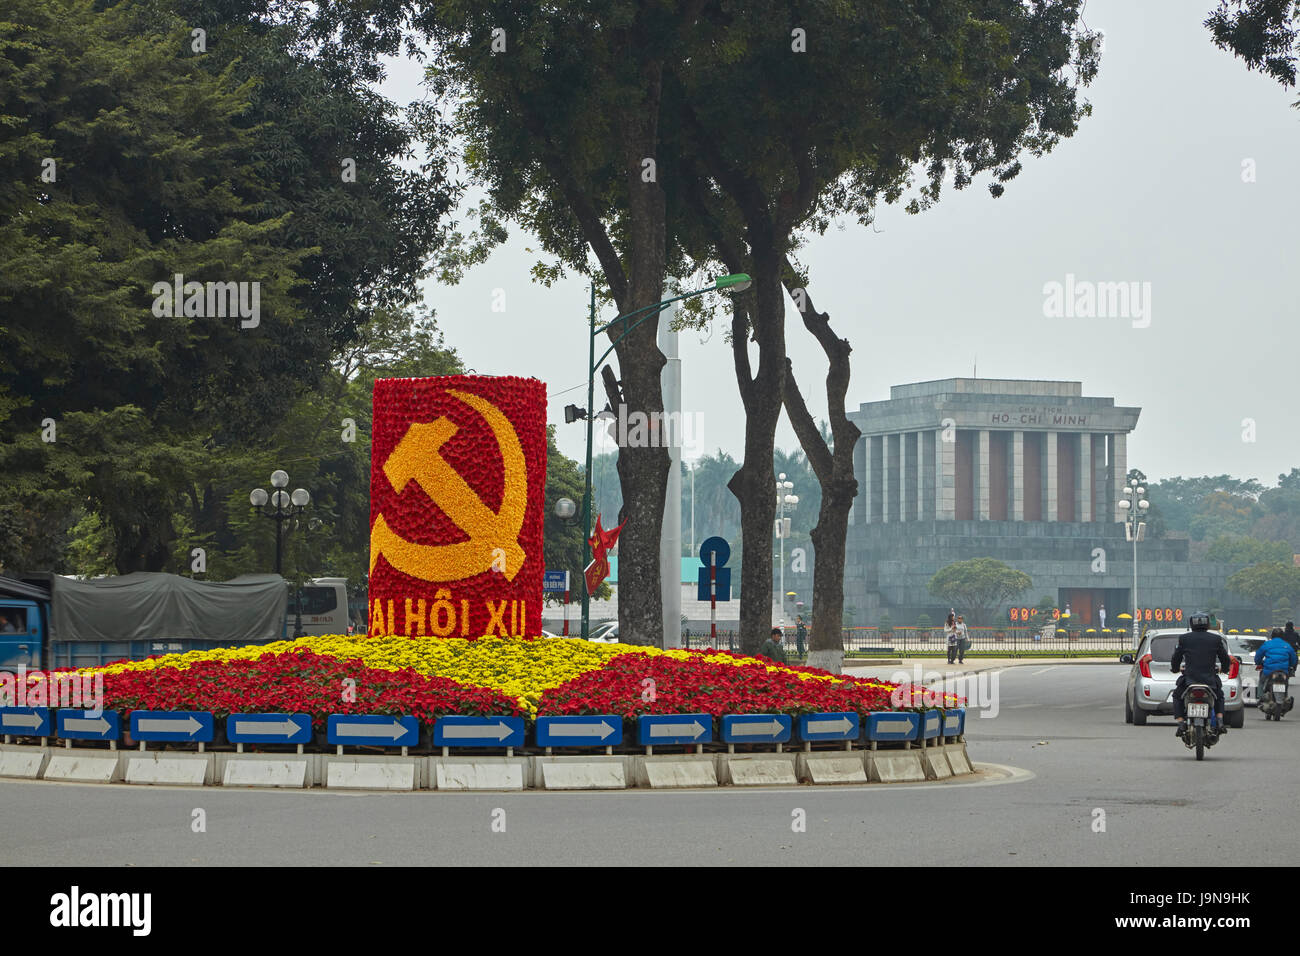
601,542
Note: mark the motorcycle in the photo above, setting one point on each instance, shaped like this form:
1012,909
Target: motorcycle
1274,700
1201,729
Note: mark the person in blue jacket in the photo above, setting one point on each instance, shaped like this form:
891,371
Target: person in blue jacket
1275,654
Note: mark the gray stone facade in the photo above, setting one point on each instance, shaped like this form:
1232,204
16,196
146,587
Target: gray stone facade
1028,472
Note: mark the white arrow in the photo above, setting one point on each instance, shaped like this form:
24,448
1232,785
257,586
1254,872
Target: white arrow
693,729
393,730
169,725
500,730
99,725
283,728
768,728
841,725
21,720
601,730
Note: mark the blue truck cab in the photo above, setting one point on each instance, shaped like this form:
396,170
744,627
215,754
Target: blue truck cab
24,613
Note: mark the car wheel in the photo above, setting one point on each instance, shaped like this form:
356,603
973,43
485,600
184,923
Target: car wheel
1128,710
1139,716
1235,719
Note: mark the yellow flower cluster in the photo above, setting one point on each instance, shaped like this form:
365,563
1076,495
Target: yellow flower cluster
522,669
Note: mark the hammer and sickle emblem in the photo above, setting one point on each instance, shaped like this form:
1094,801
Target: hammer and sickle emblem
416,458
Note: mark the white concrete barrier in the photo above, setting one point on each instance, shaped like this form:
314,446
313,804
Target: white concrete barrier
478,773
175,769
663,771
757,770
597,772
827,768
894,766
368,772
84,766
266,770
25,762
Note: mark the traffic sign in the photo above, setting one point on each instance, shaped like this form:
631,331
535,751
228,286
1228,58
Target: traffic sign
555,581
88,725
25,721
931,723
457,731
763,728
372,730
893,725
195,726
268,728
589,730
717,550
834,726
954,722
674,729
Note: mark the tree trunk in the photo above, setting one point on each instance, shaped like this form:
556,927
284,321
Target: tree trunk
754,484
834,469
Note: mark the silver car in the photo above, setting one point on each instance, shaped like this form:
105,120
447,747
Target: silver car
1150,688
1244,648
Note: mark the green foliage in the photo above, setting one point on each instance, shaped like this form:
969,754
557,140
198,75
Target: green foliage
1265,34
978,585
1230,550
923,620
1267,583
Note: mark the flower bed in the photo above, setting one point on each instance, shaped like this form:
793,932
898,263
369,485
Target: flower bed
428,677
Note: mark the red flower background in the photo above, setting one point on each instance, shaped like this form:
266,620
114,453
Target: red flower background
474,454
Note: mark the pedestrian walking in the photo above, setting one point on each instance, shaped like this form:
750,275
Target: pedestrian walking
950,632
800,632
1290,636
963,640
772,648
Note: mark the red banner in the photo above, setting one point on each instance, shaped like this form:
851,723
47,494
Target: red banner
457,490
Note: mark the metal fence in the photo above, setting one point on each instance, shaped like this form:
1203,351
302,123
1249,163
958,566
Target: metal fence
931,642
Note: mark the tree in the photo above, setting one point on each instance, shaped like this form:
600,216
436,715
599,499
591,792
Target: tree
1230,550
979,585
220,165
954,87
1263,33
1267,583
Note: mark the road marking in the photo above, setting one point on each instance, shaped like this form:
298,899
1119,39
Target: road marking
1043,671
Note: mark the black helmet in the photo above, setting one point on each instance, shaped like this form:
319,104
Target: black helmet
1200,621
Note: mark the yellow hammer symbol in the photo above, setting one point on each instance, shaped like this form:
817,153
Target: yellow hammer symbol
417,458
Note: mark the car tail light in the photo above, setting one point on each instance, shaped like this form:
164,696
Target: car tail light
1235,668
1144,665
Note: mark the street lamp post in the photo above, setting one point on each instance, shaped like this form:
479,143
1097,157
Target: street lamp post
281,506
783,499
737,282
1135,508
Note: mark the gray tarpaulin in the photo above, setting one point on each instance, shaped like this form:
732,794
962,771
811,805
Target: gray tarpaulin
152,606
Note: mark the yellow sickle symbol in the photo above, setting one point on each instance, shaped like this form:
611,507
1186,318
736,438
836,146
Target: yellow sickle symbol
416,458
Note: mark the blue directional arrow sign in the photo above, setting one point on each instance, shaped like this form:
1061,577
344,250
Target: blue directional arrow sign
931,723
377,730
715,546
268,728
835,726
761,728
25,721
589,730
457,731
195,726
674,729
954,722
893,725
88,725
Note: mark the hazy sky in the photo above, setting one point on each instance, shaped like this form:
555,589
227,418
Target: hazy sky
1150,190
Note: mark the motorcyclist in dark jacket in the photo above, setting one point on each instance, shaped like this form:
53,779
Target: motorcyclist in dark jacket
1199,649
1290,635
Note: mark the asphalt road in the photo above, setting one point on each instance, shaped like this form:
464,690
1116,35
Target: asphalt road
1064,724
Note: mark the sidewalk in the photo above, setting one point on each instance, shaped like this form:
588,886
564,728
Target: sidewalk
939,668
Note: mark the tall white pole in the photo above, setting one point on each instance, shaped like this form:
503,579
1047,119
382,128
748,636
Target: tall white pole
670,431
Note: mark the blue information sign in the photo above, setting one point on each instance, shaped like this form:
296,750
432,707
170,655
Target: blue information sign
715,546
25,721
761,728
88,725
954,722
555,581
196,726
268,728
674,729
931,723
834,726
372,730
893,725
589,730
457,731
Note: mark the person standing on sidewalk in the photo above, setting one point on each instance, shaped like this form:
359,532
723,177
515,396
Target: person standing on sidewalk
963,640
800,632
950,632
